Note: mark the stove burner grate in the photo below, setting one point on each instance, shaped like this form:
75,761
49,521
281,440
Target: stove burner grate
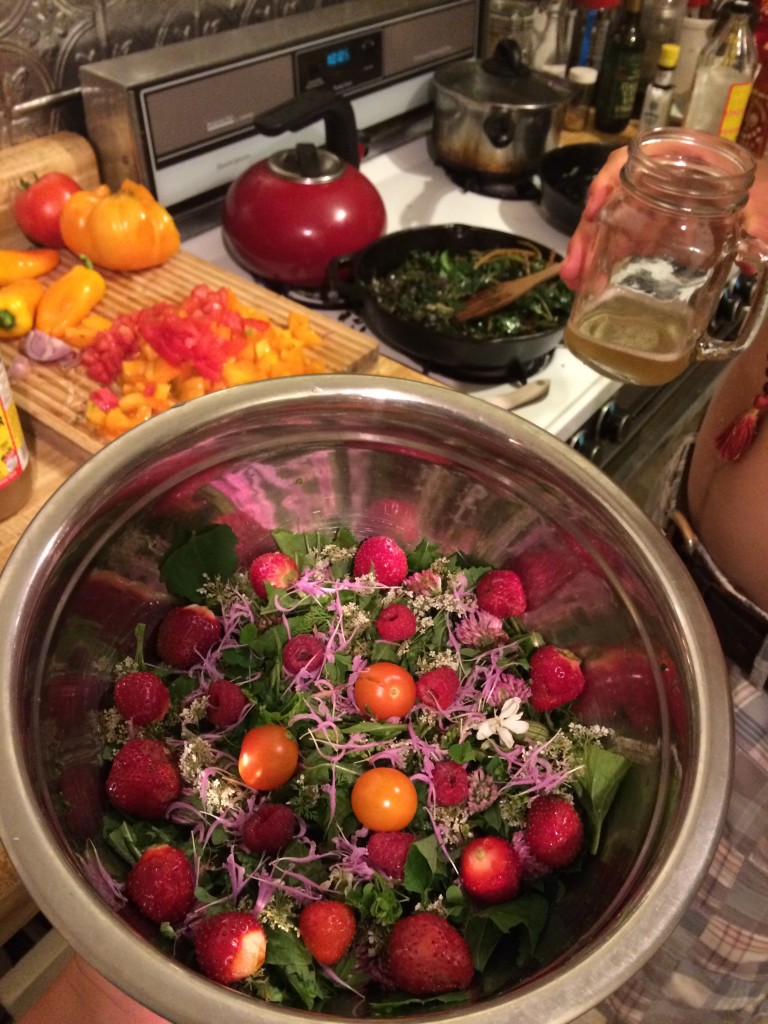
322,297
491,185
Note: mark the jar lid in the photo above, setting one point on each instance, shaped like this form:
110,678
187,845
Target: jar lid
503,79
580,74
669,56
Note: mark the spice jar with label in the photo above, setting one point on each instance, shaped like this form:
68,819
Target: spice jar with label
15,473
582,82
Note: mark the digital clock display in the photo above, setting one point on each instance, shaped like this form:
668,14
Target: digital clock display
337,58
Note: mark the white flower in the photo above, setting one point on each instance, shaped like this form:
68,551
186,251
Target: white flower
506,724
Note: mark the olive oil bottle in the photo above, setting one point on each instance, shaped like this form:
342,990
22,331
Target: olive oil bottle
619,79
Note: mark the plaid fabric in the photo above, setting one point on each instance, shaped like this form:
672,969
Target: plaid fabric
714,967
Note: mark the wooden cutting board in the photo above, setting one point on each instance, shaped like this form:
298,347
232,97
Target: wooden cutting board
57,398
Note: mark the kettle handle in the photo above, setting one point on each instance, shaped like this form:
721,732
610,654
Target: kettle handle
335,110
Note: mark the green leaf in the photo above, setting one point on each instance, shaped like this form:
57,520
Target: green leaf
597,785
485,929
207,554
421,865
285,948
392,1005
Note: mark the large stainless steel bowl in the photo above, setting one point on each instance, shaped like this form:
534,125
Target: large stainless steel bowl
308,453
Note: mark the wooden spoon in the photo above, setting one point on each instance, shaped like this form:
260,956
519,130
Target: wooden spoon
497,296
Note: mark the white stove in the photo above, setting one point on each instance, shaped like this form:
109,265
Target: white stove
417,193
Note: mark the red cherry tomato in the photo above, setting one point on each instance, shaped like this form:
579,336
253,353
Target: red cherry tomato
385,690
37,208
268,757
384,800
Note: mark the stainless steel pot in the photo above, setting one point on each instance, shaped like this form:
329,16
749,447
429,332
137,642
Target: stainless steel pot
496,117
313,453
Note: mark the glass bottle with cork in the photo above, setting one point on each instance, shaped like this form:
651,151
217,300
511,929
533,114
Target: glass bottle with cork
15,473
724,75
619,79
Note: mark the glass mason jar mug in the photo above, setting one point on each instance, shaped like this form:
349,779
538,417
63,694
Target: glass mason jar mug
665,245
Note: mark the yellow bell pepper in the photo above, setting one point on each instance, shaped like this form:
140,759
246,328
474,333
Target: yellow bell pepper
18,302
83,335
17,265
69,299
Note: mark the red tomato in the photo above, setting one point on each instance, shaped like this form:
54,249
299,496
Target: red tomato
268,757
385,690
38,206
384,800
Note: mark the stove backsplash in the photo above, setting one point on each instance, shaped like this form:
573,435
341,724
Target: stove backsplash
44,42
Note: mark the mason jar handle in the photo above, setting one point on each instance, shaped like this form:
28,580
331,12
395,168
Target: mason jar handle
754,253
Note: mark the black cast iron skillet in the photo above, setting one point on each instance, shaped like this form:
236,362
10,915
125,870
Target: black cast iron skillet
503,358
566,174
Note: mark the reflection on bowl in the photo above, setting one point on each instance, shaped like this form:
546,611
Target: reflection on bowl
318,453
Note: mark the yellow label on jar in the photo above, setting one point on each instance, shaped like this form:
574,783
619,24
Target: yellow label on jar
733,114
14,455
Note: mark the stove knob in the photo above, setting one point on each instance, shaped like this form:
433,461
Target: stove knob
585,444
613,423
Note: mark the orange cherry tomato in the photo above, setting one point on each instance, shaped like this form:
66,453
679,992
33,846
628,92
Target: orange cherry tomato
385,690
384,800
268,757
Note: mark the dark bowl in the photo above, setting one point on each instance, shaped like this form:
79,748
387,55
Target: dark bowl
566,174
497,359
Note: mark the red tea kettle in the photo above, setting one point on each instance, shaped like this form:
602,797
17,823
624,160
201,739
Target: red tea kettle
288,216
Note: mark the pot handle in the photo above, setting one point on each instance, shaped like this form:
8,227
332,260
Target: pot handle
341,279
507,60
335,110
499,128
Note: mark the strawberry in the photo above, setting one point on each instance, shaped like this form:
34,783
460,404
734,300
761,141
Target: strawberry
427,956
544,571
230,946
500,593
143,779
186,635
327,929
275,568
388,852
451,783
556,677
490,869
141,698
70,696
384,558
553,830
162,884
303,651
438,687
269,828
395,623
399,517
225,703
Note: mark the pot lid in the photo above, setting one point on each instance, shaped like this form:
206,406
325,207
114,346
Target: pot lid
504,78
307,164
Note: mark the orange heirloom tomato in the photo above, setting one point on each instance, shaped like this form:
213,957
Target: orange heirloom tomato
385,690
268,757
123,230
384,800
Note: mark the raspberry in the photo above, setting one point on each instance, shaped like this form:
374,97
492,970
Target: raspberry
141,698
327,929
275,568
427,956
395,623
553,830
384,558
225,703
556,677
451,783
388,852
438,687
162,884
269,828
500,592
303,651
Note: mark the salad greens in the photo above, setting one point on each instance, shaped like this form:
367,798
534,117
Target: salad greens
429,287
328,854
